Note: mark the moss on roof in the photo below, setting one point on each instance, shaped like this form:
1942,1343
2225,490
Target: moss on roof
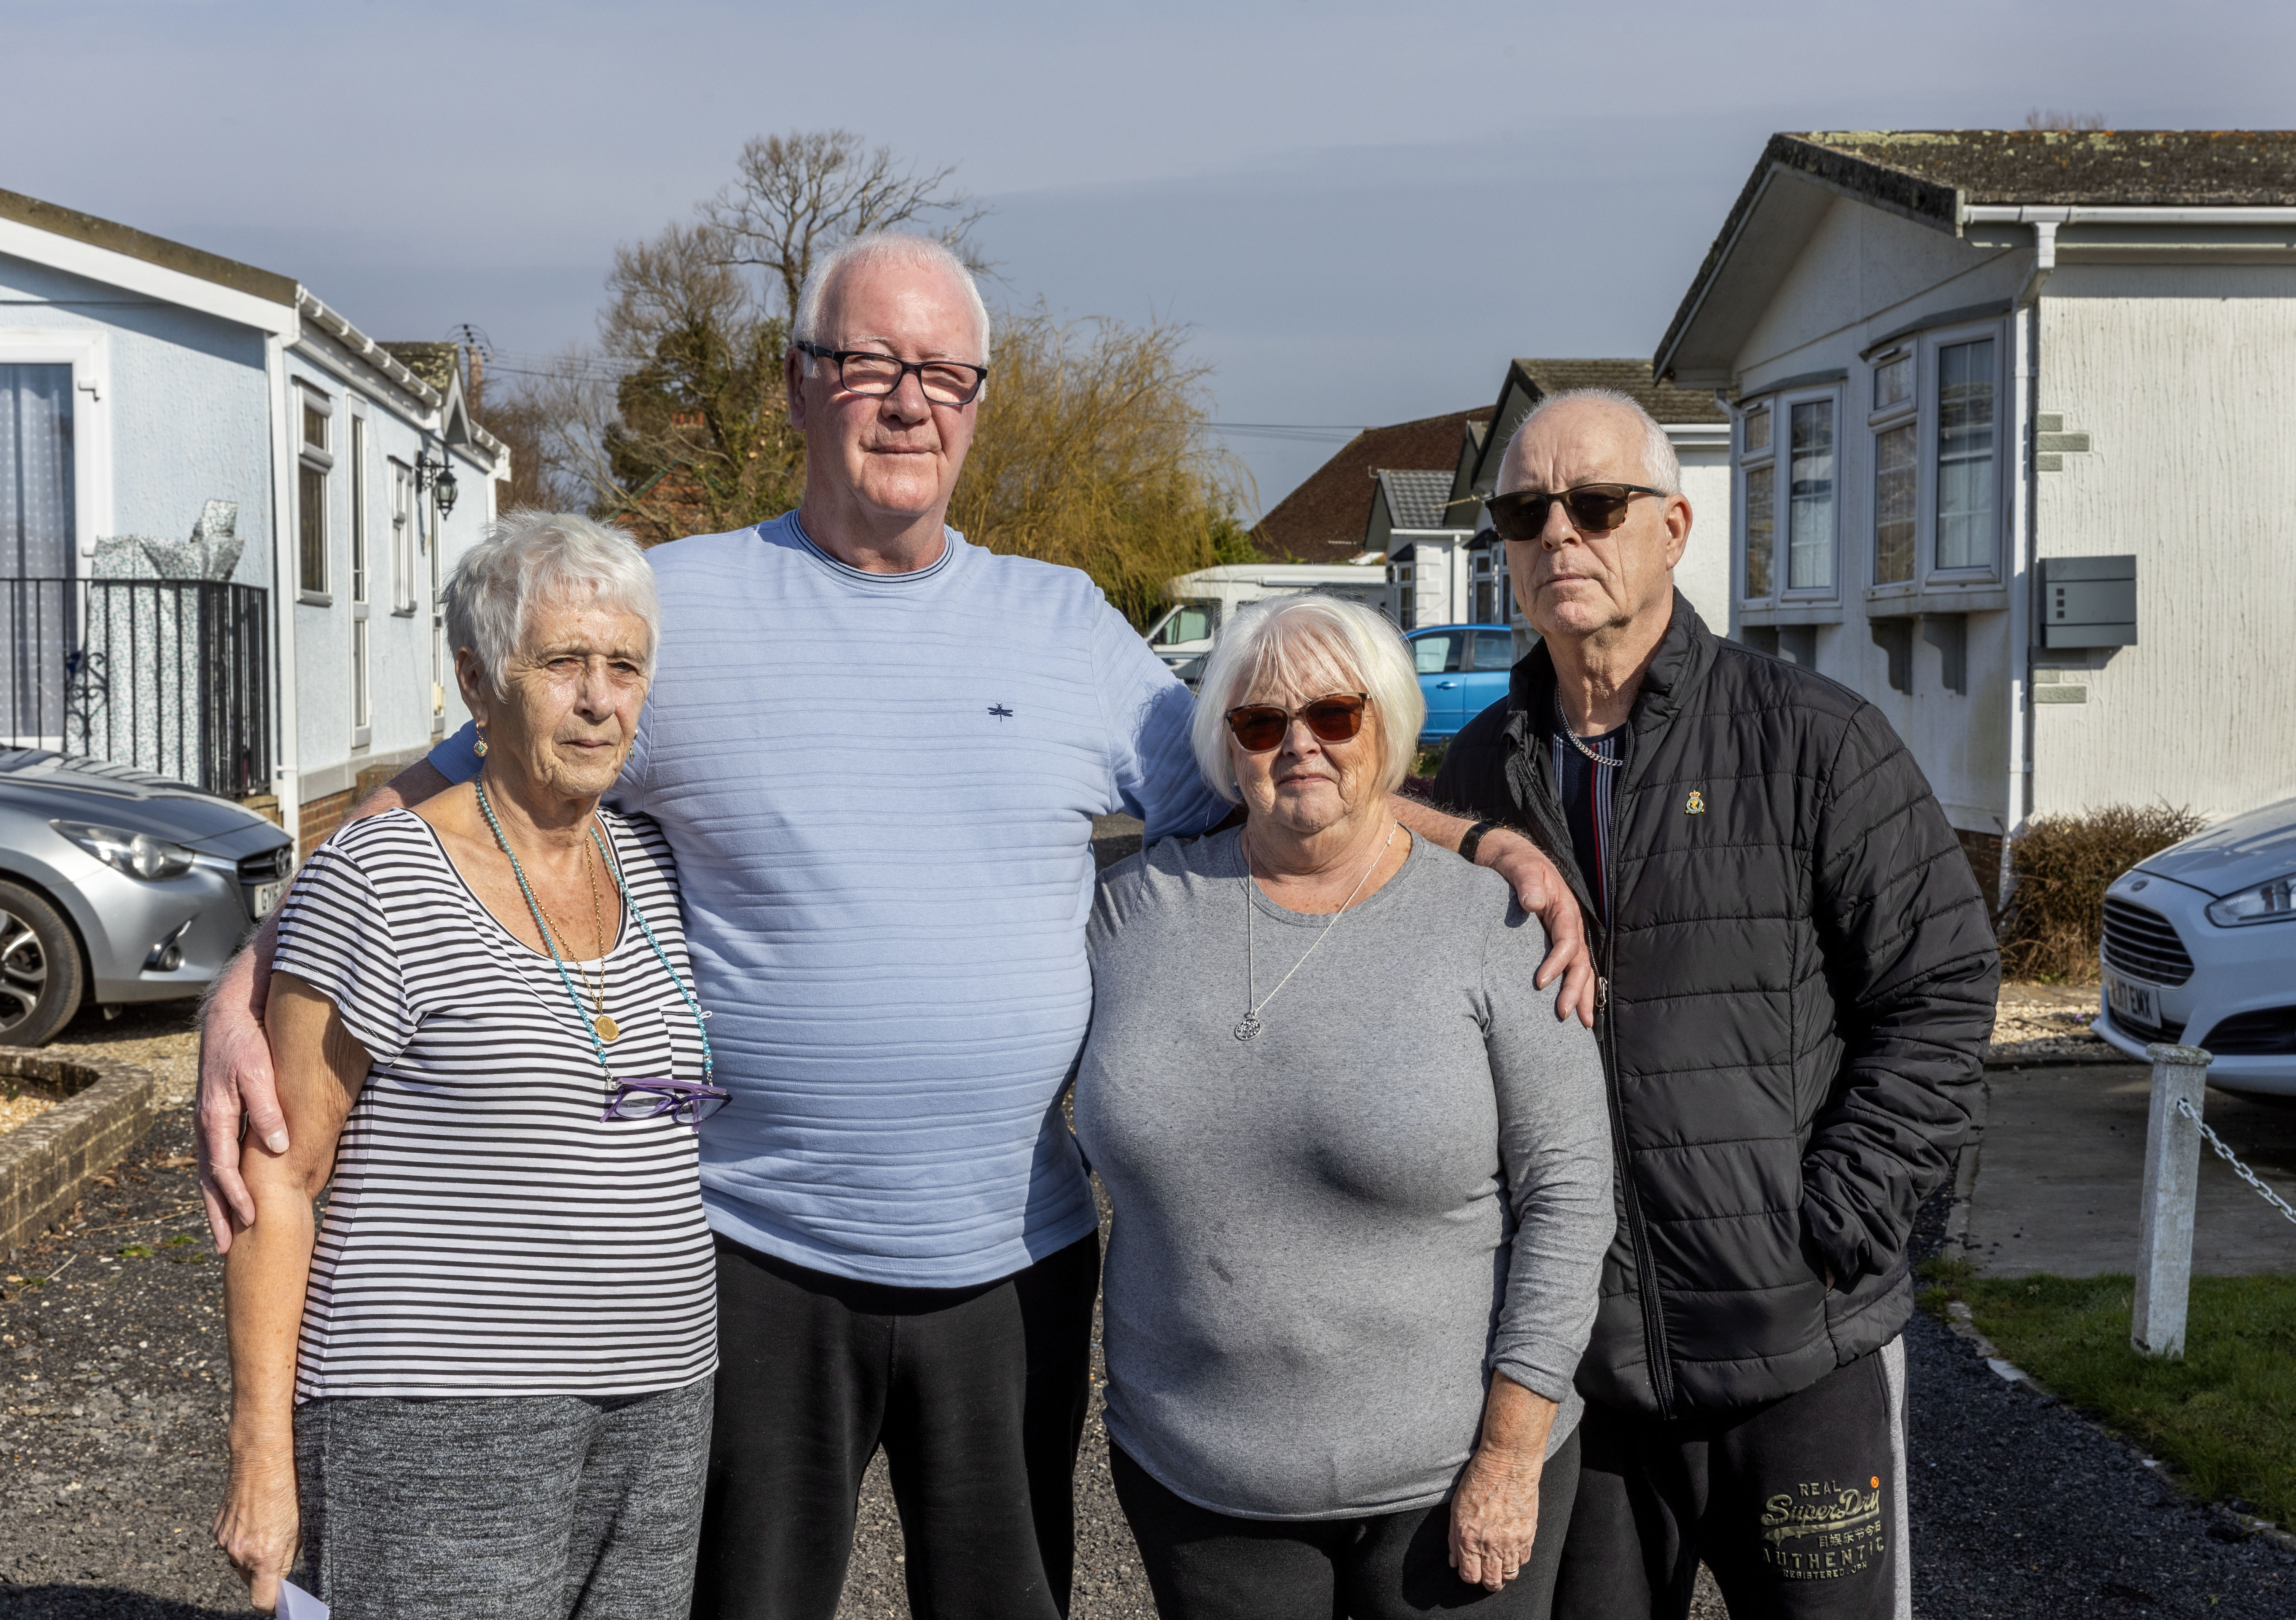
437,363
2100,168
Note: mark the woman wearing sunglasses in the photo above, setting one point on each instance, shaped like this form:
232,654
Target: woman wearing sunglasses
1362,1175
483,1385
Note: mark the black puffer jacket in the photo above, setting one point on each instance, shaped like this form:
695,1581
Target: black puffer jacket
1800,980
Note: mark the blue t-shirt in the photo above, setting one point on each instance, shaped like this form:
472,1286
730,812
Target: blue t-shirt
879,789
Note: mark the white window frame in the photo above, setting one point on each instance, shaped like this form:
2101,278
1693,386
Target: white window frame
1881,418
1779,455
402,538
89,355
310,396
362,572
1978,583
1935,343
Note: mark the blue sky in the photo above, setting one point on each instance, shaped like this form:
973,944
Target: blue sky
1360,210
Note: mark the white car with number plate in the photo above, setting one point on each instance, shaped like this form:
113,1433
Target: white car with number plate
2200,948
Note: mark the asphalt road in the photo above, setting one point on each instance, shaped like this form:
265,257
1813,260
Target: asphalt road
112,1394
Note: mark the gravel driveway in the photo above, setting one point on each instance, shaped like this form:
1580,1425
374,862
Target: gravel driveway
112,1391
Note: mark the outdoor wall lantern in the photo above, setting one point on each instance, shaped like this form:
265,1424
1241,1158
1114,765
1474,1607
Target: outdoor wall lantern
428,472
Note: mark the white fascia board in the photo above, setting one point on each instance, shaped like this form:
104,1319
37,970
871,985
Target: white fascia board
317,349
1699,435
2019,213
155,281
367,351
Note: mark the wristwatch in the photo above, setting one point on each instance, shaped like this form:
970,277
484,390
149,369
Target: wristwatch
1473,840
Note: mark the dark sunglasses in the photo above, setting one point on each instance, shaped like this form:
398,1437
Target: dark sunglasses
687,1102
1261,726
1593,509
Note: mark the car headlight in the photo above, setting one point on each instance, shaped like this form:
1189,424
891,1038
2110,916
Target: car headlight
139,854
2271,902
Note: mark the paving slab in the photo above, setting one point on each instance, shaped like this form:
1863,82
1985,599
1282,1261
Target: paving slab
2061,1167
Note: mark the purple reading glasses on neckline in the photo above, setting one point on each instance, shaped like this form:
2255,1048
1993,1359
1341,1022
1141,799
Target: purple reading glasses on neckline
687,1102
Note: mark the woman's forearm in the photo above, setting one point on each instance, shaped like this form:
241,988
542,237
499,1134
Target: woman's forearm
265,1276
1516,1423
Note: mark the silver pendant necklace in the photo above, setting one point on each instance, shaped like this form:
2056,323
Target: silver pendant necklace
1249,1029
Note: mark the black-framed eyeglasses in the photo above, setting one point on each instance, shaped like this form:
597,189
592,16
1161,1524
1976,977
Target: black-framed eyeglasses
860,371
1593,509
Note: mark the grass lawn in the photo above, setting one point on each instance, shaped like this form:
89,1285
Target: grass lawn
2224,1418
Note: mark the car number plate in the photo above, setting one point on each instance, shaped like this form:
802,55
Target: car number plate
2128,1001
266,895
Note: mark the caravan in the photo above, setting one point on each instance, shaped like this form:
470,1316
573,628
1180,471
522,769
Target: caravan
1202,601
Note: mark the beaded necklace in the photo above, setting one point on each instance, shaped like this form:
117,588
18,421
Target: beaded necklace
661,956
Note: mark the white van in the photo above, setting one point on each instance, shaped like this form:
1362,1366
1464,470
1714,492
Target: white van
1202,601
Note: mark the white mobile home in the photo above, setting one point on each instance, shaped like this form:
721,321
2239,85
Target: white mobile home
224,514
2012,454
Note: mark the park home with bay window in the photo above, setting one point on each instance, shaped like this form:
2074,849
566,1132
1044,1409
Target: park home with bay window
2012,455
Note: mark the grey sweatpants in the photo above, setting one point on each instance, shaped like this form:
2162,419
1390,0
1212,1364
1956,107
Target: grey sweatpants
510,1508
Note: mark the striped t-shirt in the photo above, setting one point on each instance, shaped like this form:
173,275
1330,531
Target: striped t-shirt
1583,785
487,1234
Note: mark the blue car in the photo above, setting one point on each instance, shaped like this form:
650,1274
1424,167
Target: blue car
1463,671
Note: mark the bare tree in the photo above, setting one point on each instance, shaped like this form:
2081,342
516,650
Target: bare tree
2041,119
795,197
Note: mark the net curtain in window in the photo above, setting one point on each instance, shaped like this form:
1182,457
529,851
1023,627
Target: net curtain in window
39,531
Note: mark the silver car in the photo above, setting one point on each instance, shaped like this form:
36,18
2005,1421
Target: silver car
120,886
2200,947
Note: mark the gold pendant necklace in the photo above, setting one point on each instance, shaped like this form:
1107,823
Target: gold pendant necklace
601,1021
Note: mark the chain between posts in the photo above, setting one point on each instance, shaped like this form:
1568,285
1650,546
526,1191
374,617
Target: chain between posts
2226,1154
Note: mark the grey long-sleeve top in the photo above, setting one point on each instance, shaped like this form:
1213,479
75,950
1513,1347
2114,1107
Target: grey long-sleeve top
1327,1238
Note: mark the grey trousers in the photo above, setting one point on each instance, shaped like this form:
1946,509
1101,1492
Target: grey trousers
511,1508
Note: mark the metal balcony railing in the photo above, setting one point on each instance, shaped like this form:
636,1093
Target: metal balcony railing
168,675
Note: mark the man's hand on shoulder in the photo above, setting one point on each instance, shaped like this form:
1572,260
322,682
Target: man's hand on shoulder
236,1079
1537,885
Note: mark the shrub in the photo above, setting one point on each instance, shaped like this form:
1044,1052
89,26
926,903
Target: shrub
2062,865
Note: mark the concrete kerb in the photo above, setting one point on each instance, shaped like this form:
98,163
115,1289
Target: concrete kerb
47,1165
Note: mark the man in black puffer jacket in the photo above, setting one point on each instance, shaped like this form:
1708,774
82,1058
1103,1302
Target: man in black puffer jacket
1798,979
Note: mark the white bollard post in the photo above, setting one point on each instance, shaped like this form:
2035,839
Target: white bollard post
2172,1180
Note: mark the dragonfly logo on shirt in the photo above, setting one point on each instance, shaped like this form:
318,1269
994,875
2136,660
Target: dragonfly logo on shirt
999,711
1695,804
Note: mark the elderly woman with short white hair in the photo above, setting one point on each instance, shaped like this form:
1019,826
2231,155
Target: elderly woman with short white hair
483,1385
1361,1174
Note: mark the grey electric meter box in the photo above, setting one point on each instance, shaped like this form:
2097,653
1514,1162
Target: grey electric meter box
2088,601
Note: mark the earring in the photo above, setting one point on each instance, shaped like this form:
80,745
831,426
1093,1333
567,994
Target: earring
480,750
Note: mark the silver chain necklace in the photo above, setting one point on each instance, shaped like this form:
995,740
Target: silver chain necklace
1249,1029
1562,725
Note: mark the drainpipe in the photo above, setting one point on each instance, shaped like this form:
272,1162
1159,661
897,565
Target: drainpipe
1734,630
2025,348
286,778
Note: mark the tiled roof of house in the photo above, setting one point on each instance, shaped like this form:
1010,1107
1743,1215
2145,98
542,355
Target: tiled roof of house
2101,167
1323,521
1415,499
1931,176
437,363
1663,400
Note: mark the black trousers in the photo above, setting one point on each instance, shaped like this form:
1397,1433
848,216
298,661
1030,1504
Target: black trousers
1208,1566
977,1394
1798,1506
